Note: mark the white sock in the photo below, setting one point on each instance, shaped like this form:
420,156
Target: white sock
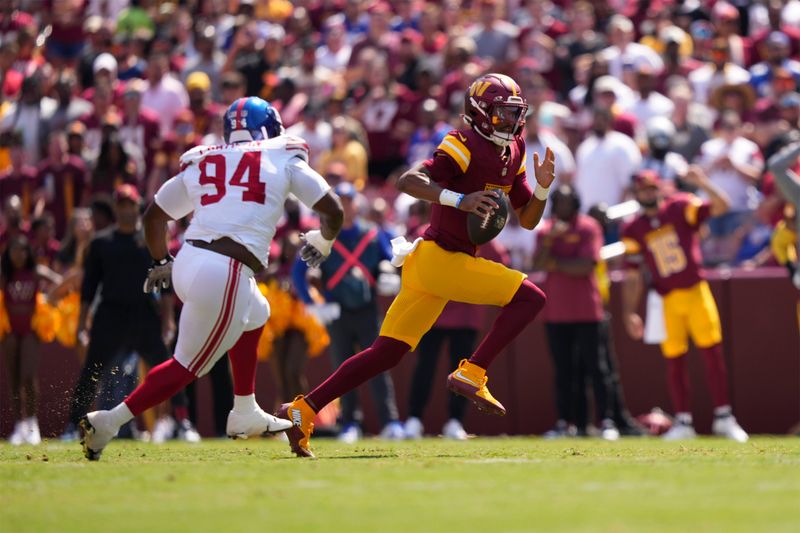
245,404
121,414
723,411
684,418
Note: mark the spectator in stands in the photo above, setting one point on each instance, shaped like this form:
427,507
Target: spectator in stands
690,120
208,59
65,180
604,163
334,54
349,278
538,140
777,59
733,164
114,167
660,158
69,106
624,51
494,37
345,148
647,102
164,94
20,178
718,70
568,249
29,116
316,132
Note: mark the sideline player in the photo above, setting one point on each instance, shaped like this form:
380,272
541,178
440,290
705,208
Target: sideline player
237,192
664,237
461,178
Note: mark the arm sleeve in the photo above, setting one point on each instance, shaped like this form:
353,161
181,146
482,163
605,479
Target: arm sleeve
451,158
174,199
521,191
299,270
305,182
92,273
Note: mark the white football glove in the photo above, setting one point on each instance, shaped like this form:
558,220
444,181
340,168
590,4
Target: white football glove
159,276
316,248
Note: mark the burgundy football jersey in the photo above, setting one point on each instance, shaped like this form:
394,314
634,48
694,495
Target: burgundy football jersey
668,242
465,163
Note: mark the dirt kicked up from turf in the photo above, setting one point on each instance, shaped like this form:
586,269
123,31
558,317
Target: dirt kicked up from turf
487,485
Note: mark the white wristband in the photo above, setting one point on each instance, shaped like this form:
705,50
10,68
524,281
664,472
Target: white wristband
451,198
541,192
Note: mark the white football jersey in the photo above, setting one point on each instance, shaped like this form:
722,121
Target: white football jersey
238,190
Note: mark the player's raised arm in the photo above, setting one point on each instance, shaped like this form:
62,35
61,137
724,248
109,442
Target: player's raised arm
531,213
418,183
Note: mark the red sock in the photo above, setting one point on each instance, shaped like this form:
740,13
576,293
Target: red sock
518,313
181,413
384,353
678,382
244,361
160,384
716,375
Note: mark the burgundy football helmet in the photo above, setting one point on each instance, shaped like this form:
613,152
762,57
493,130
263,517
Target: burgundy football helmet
495,109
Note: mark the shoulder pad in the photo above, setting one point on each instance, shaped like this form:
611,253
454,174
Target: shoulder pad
455,145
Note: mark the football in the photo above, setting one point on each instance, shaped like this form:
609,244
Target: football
482,229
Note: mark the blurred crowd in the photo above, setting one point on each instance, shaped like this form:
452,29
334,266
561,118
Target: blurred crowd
99,93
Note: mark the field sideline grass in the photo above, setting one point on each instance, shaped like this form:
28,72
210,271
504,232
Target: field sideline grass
487,485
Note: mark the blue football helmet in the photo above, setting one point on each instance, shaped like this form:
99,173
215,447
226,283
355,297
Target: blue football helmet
251,119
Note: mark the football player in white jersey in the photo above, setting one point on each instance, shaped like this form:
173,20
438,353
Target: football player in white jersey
236,191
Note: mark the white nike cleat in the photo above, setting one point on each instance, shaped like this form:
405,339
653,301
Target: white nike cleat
32,434
680,432
253,424
414,428
17,437
97,430
453,430
163,430
727,427
393,431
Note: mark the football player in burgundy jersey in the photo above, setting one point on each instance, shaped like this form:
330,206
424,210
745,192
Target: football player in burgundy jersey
663,237
463,177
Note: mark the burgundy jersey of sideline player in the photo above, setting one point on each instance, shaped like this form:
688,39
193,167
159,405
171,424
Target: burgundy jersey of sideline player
465,163
668,242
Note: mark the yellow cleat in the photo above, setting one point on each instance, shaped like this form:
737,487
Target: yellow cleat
469,380
302,417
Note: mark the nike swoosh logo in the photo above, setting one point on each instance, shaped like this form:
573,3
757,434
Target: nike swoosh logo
460,375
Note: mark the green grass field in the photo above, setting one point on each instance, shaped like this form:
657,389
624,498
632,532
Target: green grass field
487,485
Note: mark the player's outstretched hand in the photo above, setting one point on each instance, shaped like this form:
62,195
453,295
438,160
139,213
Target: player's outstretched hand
545,171
316,248
159,276
481,203
634,326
